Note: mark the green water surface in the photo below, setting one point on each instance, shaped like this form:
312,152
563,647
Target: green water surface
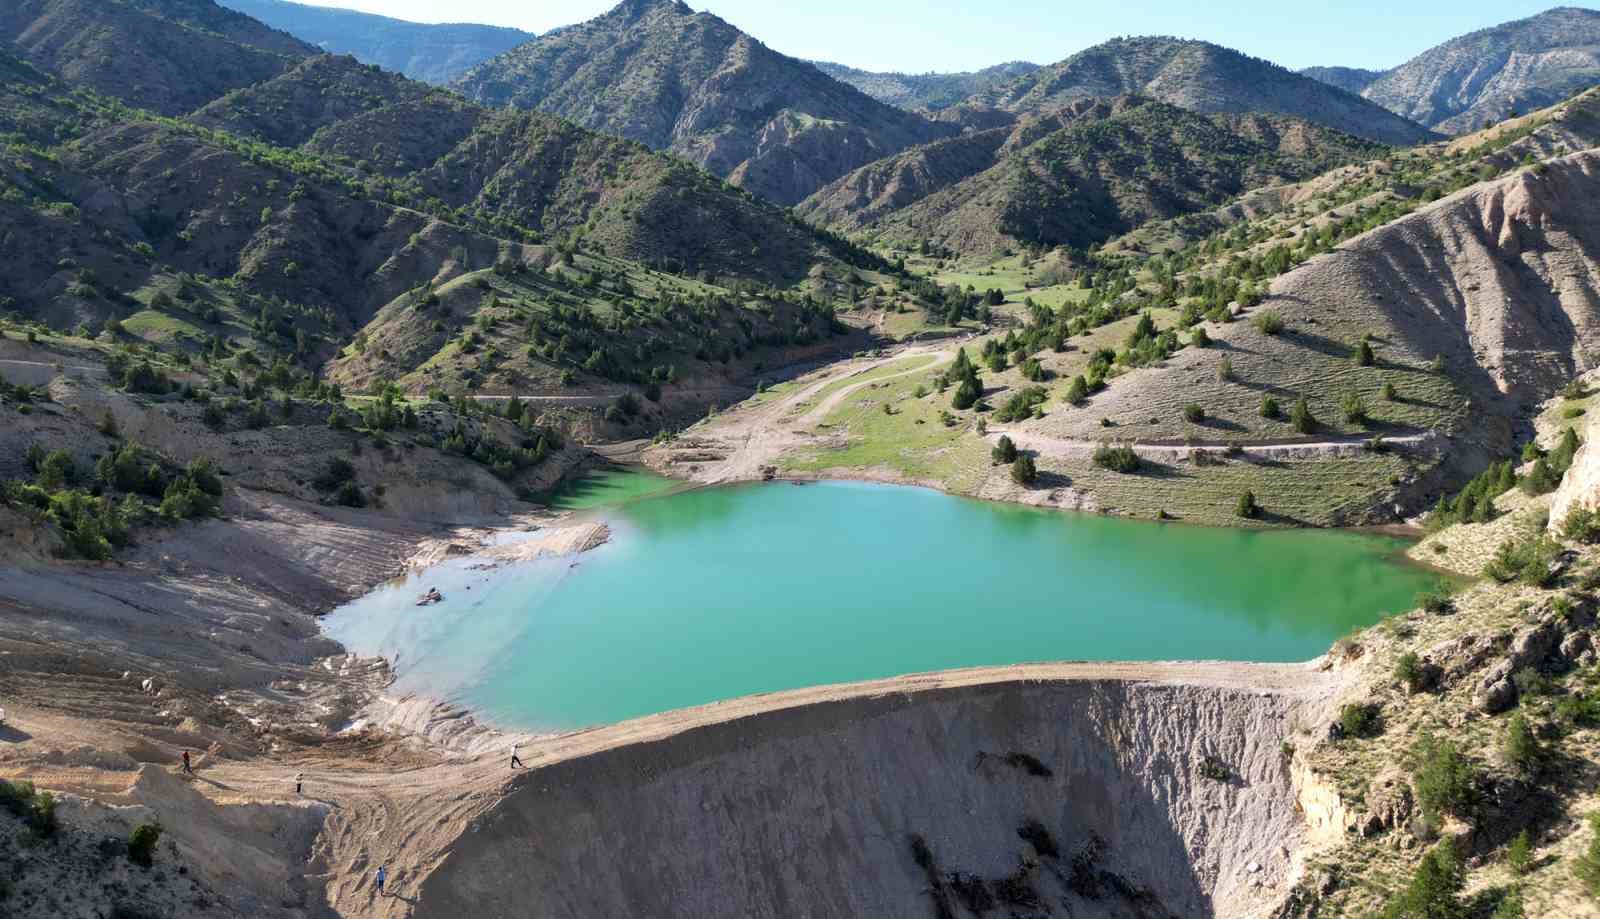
715,593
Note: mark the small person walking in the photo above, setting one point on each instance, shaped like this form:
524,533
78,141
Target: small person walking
383,875
515,762
186,767
299,778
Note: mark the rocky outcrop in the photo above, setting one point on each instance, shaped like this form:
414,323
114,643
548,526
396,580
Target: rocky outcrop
1113,797
1580,487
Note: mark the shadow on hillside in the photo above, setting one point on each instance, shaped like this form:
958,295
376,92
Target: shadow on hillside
1321,344
12,734
1220,424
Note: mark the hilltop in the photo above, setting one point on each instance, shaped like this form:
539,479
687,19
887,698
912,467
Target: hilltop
1486,76
1201,77
431,53
170,56
657,72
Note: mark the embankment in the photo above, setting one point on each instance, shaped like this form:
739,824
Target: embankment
1111,790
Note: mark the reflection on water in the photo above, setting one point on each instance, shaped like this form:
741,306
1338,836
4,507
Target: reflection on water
714,593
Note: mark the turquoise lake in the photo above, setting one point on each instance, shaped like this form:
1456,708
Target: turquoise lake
706,594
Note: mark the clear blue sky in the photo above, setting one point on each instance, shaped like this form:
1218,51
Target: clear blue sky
945,35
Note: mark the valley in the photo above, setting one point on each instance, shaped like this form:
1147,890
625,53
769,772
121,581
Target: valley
1155,483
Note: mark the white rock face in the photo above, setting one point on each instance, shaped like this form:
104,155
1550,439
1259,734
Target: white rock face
812,811
1580,487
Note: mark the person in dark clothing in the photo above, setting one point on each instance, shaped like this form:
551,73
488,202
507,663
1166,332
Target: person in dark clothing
186,767
299,777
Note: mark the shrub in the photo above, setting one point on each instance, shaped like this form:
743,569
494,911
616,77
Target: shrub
1214,769
1119,458
1408,670
967,394
1437,601
1519,854
142,843
1581,525
1269,323
1445,780
1434,890
1354,408
1360,719
1388,393
1021,404
1078,390
335,473
1530,561
1194,413
108,424
1541,479
1225,370
1004,451
1023,471
1301,418
1521,748
1270,408
1247,506
1363,354
1587,865
1034,371
1199,339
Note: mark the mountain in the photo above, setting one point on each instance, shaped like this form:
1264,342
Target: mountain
925,91
1349,79
170,56
1200,77
1485,76
657,72
431,53
1076,177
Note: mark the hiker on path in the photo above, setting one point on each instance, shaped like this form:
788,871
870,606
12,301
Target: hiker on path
299,777
186,767
383,875
515,762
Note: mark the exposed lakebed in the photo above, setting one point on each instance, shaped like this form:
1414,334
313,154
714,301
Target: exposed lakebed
714,593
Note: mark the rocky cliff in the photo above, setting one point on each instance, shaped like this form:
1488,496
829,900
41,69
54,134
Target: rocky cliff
1161,791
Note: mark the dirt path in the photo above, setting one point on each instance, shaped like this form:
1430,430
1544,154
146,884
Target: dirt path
749,438
1065,448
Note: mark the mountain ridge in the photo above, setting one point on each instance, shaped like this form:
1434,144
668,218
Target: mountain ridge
1202,77
660,73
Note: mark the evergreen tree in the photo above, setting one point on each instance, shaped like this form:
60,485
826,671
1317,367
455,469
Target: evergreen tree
1004,451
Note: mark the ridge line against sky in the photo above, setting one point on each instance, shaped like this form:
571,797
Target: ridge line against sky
959,35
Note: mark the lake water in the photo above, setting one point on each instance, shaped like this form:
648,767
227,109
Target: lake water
709,594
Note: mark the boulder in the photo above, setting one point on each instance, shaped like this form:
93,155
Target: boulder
1495,697
1575,646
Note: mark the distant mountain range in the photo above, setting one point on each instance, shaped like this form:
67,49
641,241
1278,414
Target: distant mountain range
931,92
1200,77
432,53
1487,75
